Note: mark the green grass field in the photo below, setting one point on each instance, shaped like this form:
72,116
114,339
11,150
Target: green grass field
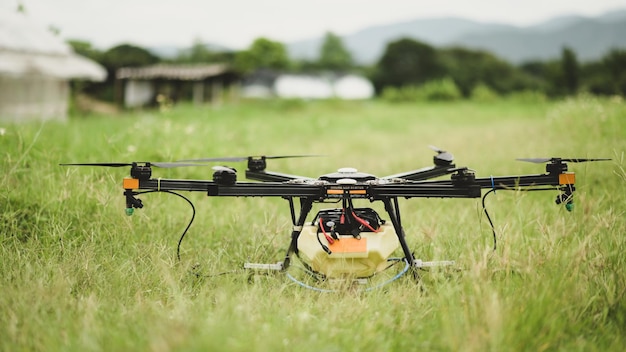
77,274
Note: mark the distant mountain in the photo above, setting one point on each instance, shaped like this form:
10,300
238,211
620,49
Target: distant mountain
165,51
367,45
590,38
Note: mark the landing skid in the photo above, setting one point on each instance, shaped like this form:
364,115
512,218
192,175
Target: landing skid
348,282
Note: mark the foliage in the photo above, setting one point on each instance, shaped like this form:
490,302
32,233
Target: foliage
560,77
542,72
596,79
399,94
262,54
569,70
123,55
407,62
86,49
470,67
200,53
79,275
482,93
439,90
333,54
127,55
615,67
436,90
527,97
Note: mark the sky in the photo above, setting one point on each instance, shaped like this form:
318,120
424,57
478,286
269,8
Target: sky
236,23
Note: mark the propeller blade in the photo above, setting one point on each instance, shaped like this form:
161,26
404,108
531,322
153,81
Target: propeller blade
160,165
226,159
535,160
244,158
99,164
174,164
442,154
292,156
436,149
579,160
569,160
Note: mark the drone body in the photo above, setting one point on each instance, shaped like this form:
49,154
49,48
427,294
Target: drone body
347,241
335,244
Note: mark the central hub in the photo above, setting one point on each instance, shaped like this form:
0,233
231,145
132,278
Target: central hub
347,175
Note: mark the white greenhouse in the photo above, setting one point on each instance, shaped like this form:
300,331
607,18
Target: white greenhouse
35,70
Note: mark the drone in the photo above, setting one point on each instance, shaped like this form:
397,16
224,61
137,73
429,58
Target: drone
346,242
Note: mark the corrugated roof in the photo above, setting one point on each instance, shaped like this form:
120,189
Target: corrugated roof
69,66
28,48
178,72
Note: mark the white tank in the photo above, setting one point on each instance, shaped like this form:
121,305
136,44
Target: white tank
349,256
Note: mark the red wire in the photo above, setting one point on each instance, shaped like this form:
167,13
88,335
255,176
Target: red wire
363,222
328,238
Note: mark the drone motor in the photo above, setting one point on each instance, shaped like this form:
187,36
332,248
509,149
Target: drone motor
225,176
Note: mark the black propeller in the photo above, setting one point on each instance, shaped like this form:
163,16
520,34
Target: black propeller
556,160
161,165
244,158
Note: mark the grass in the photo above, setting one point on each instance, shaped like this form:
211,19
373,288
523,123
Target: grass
78,274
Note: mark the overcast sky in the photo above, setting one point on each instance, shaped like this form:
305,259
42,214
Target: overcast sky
236,23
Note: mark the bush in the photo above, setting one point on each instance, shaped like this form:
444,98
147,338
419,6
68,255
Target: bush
528,96
439,90
483,93
436,90
397,95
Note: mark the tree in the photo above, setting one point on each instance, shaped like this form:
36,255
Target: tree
407,62
127,55
606,76
85,49
334,55
262,54
547,75
569,70
198,53
201,52
124,55
471,68
615,65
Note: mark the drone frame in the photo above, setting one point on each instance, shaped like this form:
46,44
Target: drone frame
348,184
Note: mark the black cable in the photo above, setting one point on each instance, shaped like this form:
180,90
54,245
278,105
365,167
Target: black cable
325,248
193,216
493,229
182,236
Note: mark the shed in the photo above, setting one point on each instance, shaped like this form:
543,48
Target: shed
35,69
140,86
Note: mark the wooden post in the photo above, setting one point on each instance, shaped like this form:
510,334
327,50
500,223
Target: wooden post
198,92
216,93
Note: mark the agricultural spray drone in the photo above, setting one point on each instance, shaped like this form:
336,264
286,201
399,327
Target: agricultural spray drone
346,242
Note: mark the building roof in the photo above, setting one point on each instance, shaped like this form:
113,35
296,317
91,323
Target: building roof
26,47
174,72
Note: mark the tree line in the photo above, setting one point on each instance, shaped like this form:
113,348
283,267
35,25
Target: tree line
408,69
